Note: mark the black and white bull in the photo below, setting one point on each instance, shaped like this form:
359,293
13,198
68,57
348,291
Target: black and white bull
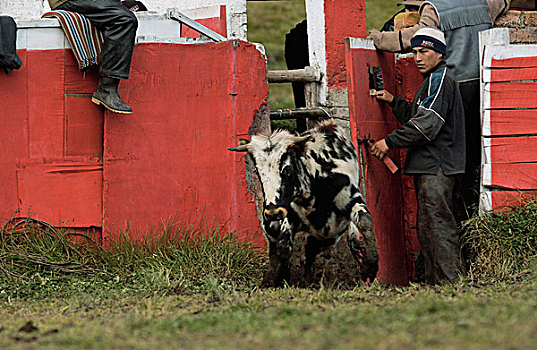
311,184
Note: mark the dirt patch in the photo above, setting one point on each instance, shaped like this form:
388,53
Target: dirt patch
334,266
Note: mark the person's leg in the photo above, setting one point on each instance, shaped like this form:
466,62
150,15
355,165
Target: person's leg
118,26
437,228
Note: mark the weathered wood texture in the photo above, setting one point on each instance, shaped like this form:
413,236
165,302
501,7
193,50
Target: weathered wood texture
305,75
509,122
66,161
502,122
510,95
513,176
382,189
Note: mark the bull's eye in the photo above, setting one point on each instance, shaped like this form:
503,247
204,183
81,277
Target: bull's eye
286,171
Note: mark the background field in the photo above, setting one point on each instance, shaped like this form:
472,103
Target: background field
269,21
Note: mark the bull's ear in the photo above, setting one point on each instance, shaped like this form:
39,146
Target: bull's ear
242,147
300,143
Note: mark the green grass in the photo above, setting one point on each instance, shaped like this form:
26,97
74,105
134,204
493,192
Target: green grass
417,317
503,242
196,287
38,261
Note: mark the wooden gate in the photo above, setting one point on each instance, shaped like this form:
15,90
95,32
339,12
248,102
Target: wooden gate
389,196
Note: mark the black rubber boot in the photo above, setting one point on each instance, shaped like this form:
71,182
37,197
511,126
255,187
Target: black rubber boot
106,94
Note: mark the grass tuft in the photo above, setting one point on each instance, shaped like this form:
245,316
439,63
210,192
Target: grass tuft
39,260
502,243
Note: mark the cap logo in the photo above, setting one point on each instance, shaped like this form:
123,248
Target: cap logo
427,43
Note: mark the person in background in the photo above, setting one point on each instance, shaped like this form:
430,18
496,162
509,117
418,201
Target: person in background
118,26
433,131
410,9
461,21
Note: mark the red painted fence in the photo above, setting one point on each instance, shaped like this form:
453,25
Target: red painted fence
65,161
509,124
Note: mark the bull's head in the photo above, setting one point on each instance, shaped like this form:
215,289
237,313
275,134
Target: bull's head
278,163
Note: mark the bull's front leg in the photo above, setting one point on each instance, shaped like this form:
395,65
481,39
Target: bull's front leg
280,247
363,242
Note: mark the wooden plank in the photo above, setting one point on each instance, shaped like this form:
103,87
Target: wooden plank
63,193
305,75
13,134
509,122
496,200
84,125
511,149
515,176
510,95
46,103
509,74
510,56
515,62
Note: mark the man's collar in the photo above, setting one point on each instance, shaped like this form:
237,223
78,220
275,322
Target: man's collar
439,66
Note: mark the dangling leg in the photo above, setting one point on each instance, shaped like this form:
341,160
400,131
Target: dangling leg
118,26
363,242
280,248
107,95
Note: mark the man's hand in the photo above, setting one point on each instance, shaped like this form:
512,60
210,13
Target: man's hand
374,35
384,96
379,149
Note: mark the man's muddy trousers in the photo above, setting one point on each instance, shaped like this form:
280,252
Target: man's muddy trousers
437,228
118,26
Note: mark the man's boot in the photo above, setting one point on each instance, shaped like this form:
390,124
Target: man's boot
106,94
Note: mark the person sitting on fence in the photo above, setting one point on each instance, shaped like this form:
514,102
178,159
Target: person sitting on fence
118,26
433,132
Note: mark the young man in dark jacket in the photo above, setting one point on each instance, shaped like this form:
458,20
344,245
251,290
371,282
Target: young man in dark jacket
433,130
461,21
118,26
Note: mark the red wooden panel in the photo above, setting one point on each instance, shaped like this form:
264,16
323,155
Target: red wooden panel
509,198
77,81
511,74
170,157
67,194
217,24
511,95
408,80
510,122
514,62
46,103
84,124
518,176
369,118
13,134
521,149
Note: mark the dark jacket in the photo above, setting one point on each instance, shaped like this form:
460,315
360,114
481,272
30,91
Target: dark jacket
433,126
461,22
9,59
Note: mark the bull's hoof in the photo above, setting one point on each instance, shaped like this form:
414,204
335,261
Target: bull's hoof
370,268
269,282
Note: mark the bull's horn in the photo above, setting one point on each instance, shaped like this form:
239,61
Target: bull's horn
242,147
238,149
